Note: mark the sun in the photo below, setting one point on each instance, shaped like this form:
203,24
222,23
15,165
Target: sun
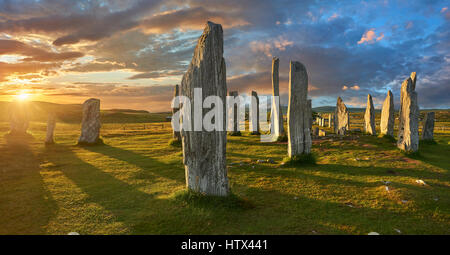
22,96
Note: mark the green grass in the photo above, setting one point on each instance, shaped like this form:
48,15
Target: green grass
135,184
300,160
175,143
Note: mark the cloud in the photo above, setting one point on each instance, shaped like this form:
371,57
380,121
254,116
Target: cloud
271,46
189,18
334,16
152,42
153,75
11,70
33,53
91,26
370,36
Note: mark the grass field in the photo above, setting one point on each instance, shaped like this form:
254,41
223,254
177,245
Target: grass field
134,184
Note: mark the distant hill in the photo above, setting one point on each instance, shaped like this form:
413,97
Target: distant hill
72,113
333,108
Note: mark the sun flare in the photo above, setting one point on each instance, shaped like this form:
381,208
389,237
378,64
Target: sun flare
22,96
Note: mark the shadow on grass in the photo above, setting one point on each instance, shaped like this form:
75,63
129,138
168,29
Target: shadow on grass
230,202
26,205
436,154
123,200
173,171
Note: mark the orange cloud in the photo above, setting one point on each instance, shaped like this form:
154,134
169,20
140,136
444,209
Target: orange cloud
355,87
268,47
370,37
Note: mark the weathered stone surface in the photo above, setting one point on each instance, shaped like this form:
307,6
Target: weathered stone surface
18,118
413,77
387,115
341,118
316,131
299,111
309,107
204,152
322,133
330,119
408,133
176,92
254,114
90,125
276,122
428,126
235,116
369,117
51,123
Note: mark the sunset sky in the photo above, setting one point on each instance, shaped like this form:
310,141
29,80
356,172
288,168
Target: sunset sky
130,53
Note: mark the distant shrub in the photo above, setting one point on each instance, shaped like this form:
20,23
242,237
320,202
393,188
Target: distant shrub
299,160
197,199
175,143
411,154
99,142
427,142
389,138
282,138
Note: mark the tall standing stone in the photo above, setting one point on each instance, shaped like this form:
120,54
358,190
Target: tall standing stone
387,115
309,106
276,123
369,117
299,111
329,120
204,152
428,126
408,131
341,118
234,115
176,93
51,123
254,114
90,125
19,118
316,131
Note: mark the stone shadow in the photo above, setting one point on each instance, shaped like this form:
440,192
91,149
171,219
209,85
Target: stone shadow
26,205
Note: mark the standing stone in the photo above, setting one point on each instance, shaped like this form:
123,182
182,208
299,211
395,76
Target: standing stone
235,116
428,126
90,125
413,80
387,115
369,117
204,152
19,118
254,114
316,131
176,92
276,123
341,118
309,106
329,120
408,131
299,111
51,123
